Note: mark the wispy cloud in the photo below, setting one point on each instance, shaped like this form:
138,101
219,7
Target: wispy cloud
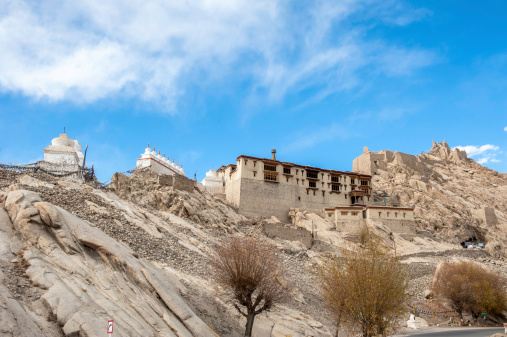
505,129
394,113
91,49
307,139
487,152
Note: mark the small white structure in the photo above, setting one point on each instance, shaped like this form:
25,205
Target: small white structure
158,164
63,154
416,322
213,183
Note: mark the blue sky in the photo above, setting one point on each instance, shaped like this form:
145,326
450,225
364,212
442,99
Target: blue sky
205,81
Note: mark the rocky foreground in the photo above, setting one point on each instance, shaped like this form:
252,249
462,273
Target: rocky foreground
73,256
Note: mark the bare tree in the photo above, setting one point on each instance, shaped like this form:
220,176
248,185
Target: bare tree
470,287
364,286
248,271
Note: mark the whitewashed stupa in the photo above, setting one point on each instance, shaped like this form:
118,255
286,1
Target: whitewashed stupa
64,154
159,164
213,182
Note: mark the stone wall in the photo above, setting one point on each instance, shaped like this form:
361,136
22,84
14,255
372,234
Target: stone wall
258,197
279,230
182,183
351,226
123,185
177,181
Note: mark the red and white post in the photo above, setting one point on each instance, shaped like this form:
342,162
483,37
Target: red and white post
110,328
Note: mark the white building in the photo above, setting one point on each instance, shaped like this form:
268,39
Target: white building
159,164
63,154
213,183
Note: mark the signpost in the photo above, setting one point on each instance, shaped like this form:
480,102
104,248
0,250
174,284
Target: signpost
505,326
110,327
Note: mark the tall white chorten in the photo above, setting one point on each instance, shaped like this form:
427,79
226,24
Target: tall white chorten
213,183
158,164
64,153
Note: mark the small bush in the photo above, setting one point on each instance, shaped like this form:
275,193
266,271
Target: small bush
470,287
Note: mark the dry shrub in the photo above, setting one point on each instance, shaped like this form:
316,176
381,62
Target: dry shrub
470,287
247,271
364,287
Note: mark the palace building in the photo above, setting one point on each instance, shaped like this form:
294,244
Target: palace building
267,187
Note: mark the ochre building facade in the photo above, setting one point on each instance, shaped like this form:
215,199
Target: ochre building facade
267,187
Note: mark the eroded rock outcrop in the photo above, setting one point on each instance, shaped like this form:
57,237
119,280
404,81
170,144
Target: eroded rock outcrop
454,197
87,278
150,189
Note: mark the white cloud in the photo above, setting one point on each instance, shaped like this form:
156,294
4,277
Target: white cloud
487,152
472,150
505,129
90,49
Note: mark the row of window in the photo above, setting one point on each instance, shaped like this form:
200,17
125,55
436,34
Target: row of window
379,213
309,174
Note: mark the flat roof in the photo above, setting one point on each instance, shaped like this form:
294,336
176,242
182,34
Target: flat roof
390,207
306,167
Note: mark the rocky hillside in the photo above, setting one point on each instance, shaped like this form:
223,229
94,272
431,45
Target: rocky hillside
73,256
454,197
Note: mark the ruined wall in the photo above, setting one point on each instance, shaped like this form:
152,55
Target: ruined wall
282,231
177,181
487,215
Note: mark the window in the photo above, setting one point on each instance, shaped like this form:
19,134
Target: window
395,215
297,181
269,168
335,187
345,196
364,182
345,187
286,170
299,198
313,184
352,181
403,214
287,179
334,179
388,214
246,161
344,213
354,213
255,173
323,193
313,175
270,176
255,162
379,214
